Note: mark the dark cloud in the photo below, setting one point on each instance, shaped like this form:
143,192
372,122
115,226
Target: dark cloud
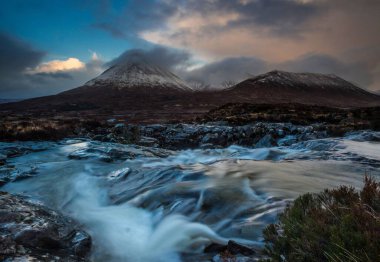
355,72
240,68
167,58
133,16
58,75
281,16
230,69
278,13
16,56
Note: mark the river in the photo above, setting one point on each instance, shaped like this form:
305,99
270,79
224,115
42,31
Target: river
150,204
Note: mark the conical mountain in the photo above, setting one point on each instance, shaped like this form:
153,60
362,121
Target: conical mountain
136,70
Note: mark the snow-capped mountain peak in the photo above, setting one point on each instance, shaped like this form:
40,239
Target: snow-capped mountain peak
137,71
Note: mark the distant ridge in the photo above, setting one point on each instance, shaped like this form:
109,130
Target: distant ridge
305,88
3,101
137,87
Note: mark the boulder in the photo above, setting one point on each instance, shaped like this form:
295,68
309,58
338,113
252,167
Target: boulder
32,232
266,141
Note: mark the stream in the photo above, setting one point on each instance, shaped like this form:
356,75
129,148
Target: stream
151,204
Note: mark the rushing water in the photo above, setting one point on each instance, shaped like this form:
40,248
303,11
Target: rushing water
149,204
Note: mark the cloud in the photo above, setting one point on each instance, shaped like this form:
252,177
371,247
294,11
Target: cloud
355,72
17,58
127,19
233,69
167,58
278,31
54,66
236,69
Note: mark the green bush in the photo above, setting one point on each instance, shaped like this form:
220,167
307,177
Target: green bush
335,225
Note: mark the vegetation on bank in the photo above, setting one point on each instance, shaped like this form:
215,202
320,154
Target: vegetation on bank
338,119
41,128
335,225
51,126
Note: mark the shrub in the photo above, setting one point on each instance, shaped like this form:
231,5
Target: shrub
335,225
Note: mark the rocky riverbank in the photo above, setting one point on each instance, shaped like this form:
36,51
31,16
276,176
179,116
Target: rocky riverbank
241,124
32,232
214,135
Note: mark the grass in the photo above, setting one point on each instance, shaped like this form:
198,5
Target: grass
341,224
29,128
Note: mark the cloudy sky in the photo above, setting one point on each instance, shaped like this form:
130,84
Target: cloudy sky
48,46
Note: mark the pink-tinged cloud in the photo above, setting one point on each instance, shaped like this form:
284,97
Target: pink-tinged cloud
54,66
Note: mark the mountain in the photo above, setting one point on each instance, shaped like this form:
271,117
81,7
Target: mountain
133,83
134,73
140,91
305,88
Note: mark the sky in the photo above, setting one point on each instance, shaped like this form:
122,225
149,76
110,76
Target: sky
49,46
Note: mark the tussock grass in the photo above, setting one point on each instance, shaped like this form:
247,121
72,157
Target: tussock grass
340,224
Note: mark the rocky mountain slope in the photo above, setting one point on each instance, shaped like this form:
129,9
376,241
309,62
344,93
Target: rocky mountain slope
136,72
141,91
305,88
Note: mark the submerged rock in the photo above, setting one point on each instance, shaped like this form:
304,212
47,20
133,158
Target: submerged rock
31,232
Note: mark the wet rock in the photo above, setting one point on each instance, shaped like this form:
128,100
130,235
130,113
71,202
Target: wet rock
111,120
9,173
119,174
364,136
287,140
219,135
232,247
119,128
3,159
148,141
233,251
266,141
236,248
31,232
110,152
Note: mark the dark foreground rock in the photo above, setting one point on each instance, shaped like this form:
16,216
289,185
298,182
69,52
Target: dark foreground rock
31,232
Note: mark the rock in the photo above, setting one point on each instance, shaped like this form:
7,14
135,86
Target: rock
110,152
231,252
266,141
111,120
287,140
9,173
215,135
119,174
235,248
31,232
148,141
3,159
119,128
232,247
362,136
